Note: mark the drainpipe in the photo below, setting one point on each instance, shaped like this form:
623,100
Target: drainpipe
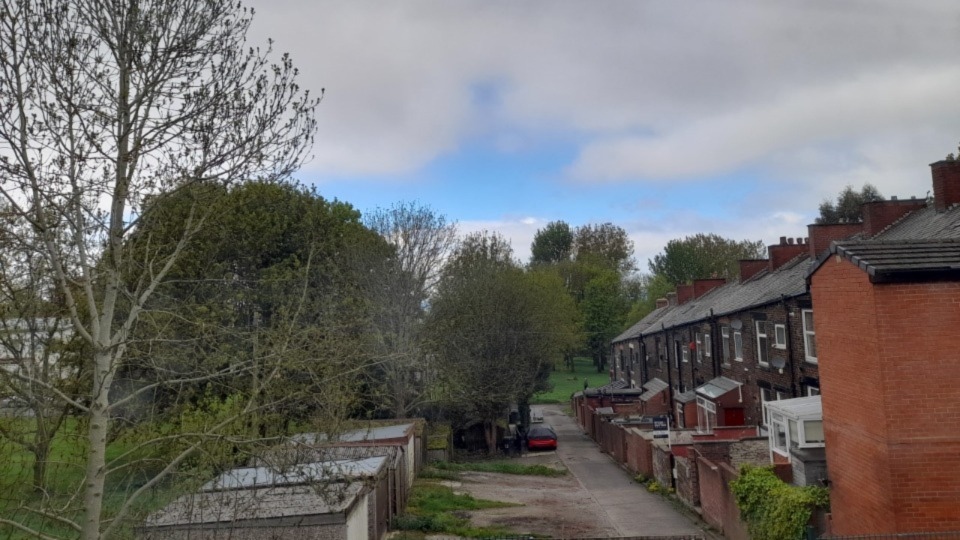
793,374
668,345
714,349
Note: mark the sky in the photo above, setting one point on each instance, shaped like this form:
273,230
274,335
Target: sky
665,117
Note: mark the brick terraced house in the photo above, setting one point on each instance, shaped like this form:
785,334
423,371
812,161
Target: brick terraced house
858,321
888,317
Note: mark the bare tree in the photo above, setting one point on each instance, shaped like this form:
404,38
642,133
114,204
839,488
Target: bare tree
107,102
34,333
422,240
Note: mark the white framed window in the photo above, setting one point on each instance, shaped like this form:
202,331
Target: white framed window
699,340
786,433
763,343
780,336
725,344
813,391
809,337
707,346
706,415
766,395
686,353
680,422
737,346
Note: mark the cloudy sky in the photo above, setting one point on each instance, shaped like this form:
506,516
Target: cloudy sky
666,117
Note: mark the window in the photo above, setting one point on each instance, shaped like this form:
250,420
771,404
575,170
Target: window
706,415
763,342
766,395
809,338
680,422
699,347
707,346
780,336
725,344
813,391
686,353
737,346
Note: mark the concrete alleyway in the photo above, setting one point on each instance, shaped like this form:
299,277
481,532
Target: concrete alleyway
629,508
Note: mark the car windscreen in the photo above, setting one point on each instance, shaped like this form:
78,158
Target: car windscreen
541,432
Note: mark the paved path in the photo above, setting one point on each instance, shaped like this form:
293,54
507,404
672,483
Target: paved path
629,508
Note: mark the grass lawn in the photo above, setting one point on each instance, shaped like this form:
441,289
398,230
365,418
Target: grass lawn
436,509
64,476
505,467
566,383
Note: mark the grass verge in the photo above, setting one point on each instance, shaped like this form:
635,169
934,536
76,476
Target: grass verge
437,509
504,467
565,383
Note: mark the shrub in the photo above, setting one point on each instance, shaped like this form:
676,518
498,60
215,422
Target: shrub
773,509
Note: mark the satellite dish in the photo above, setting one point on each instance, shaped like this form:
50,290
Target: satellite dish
778,363
736,324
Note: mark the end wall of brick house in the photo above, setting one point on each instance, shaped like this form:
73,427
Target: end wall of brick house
891,382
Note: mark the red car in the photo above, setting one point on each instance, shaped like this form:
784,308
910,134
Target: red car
541,437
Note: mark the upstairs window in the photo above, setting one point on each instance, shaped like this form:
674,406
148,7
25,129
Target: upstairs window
699,346
780,336
707,346
738,346
809,338
763,343
725,344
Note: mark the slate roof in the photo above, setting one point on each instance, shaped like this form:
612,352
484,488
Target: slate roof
926,224
652,388
763,288
717,387
686,397
888,260
924,244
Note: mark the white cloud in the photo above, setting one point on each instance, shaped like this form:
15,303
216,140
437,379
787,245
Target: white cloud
709,85
848,110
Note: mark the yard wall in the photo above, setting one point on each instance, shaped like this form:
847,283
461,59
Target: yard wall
717,503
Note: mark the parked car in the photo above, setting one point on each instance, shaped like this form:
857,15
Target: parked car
541,437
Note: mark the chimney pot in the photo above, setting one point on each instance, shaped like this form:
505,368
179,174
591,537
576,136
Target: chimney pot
783,240
790,240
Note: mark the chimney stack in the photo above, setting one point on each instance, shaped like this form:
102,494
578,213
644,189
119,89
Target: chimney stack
671,299
785,251
662,303
946,183
822,235
684,294
751,267
703,286
879,215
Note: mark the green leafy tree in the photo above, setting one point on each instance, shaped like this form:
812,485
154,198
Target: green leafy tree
651,287
552,244
604,307
703,256
847,207
495,331
105,104
604,244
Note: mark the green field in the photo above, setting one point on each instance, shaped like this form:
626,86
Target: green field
566,383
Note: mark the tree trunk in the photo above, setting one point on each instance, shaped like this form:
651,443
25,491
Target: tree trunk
95,477
41,455
490,429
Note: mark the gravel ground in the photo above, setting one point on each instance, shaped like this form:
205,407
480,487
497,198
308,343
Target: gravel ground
553,506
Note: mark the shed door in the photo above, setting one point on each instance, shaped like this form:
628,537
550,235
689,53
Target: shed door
733,417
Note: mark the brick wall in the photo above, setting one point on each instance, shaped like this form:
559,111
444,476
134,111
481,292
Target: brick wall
639,457
688,482
755,451
891,386
717,503
662,465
